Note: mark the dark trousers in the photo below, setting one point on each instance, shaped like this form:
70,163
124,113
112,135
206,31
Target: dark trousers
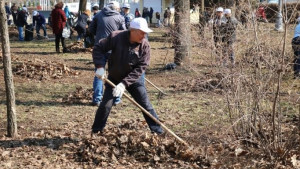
139,94
296,48
38,27
58,37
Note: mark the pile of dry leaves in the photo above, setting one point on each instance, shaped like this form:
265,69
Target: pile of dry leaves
79,47
130,145
80,96
207,83
41,70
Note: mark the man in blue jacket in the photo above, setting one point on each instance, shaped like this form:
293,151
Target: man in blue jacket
128,61
40,22
105,22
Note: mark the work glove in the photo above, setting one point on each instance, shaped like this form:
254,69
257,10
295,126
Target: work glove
119,90
100,73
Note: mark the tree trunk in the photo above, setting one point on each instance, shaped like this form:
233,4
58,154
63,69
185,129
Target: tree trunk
8,76
101,4
182,34
82,6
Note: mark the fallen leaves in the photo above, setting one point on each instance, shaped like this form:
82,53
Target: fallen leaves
132,145
79,96
208,83
78,47
41,70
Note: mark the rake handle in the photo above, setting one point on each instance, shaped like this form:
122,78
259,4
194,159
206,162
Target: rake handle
148,114
155,86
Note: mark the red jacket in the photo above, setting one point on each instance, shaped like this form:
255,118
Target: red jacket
58,20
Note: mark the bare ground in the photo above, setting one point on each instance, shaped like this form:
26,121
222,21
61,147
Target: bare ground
56,134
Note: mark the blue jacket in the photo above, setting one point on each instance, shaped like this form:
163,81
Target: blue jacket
105,22
39,19
297,31
7,10
128,19
67,12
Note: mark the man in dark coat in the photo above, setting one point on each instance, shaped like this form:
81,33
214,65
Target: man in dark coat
127,63
14,12
82,23
105,22
21,22
58,20
39,22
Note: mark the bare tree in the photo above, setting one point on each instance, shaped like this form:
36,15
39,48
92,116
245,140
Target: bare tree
101,4
8,76
182,31
82,6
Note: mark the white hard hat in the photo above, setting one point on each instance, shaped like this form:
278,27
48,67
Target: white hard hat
126,5
140,24
35,13
220,9
114,4
95,5
227,11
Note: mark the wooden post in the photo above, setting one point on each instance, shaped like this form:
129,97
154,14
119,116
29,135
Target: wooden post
8,76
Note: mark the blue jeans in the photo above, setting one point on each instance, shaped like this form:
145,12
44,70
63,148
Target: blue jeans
296,48
20,30
138,91
38,27
98,89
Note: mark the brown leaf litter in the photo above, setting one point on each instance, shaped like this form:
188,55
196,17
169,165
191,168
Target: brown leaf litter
80,96
129,144
41,70
210,82
78,47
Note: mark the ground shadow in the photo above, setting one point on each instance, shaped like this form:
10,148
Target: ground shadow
35,53
83,68
52,143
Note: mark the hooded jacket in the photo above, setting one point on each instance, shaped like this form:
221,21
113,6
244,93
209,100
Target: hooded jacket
106,22
58,18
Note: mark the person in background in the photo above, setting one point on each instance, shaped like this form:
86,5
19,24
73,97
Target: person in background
145,14
69,22
128,61
7,10
95,10
21,22
261,14
151,15
39,22
296,48
127,15
168,16
137,13
82,24
229,34
217,24
14,12
157,15
105,22
58,20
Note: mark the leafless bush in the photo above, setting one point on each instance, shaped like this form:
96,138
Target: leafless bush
258,92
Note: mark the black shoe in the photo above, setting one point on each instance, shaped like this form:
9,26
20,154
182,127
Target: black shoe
65,50
95,104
